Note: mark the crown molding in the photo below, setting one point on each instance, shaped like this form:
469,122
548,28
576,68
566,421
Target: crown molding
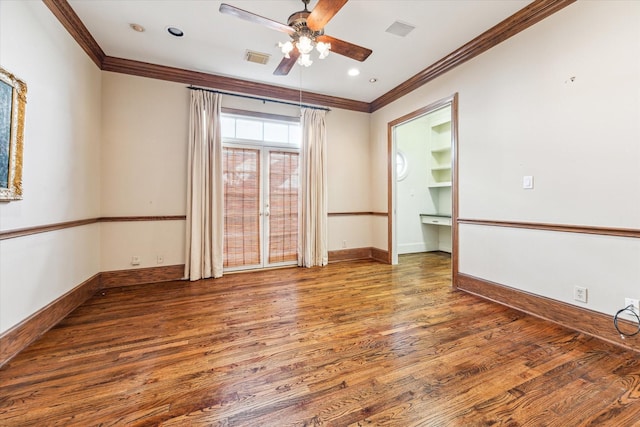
72,23
179,75
521,20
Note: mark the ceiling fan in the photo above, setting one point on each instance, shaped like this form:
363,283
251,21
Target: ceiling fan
306,29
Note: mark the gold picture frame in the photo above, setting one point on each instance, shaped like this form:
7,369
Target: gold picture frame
13,99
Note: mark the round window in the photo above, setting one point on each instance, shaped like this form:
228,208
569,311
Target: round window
402,166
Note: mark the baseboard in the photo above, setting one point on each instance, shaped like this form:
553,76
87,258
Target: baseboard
579,319
26,332
349,254
380,255
139,276
413,248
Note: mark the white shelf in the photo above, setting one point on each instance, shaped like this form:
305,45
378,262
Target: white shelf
440,184
435,220
441,149
441,168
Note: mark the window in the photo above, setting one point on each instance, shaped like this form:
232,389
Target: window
402,165
272,132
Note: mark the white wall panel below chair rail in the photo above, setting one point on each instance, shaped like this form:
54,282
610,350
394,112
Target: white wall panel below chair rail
552,263
37,269
140,244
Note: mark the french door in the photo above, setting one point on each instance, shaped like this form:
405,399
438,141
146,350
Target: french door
260,207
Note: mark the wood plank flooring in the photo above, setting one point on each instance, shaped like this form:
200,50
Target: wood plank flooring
352,344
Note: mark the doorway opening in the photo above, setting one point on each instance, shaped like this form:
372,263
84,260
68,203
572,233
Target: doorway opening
261,179
423,194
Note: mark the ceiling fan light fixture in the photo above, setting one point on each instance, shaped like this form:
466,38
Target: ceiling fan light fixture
304,45
286,48
305,60
305,42
306,33
323,49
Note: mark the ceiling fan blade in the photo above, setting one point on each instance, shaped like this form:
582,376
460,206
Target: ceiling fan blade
323,12
287,63
347,49
256,19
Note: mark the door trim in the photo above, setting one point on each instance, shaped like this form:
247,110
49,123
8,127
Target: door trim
391,248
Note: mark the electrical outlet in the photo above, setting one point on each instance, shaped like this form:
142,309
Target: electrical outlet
580,293
344,244
633,302
159,259
135,260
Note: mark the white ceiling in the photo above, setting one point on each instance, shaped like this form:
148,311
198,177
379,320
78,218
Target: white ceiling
215,43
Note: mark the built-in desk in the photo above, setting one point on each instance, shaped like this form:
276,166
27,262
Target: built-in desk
435,219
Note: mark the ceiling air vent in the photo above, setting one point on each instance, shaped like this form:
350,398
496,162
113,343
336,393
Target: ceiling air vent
257,57
400,28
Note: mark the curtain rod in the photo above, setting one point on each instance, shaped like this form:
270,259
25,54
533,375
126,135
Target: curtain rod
276,101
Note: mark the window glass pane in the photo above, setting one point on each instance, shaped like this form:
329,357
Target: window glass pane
228,126
249,129
265,130
295,135
276,132
402,166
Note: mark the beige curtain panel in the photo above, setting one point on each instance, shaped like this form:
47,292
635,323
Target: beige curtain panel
312,229
205,197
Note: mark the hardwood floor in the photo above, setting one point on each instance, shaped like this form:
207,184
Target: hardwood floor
352,344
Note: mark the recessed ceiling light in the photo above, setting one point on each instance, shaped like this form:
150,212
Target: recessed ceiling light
175,31
353,72
137,27
373,80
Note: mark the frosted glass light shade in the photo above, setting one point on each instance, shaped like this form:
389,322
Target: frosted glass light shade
305,60
286,48
323,48
304,45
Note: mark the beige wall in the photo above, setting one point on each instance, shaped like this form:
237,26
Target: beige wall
520,114
349,160
144,169
144,158
61,162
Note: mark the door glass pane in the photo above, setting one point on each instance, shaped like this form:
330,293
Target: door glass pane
283,205
241,175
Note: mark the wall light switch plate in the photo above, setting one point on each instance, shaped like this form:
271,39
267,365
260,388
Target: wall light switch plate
527,182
